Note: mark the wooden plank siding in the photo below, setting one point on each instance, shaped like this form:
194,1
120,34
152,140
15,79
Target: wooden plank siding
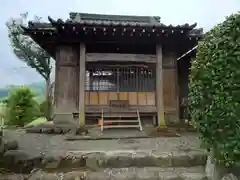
134,98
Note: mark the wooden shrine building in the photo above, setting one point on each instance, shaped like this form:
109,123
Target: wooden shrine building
102,60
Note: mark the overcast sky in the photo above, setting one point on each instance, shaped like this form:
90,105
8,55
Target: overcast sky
206,13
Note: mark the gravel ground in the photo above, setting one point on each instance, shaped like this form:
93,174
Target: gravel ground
36,144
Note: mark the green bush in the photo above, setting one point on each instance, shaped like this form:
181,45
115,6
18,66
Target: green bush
46,109
214,94
21,107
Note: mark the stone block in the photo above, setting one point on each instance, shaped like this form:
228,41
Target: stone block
92,162
180,159
145,175
97,176
168,176
40,175
197,158
118,160
51,162
188,159
124,176
193,176
162,159
74,175
11,145
142,159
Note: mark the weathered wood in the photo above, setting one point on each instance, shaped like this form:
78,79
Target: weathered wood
170,88
65,77
159,86
134,98
82,61
91,109
177,89
119,103
94,57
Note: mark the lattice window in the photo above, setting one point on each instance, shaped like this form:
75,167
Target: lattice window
121,79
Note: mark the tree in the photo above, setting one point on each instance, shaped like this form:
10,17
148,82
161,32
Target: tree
21,107
214,98
29,51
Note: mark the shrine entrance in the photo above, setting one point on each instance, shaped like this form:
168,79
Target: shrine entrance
132,82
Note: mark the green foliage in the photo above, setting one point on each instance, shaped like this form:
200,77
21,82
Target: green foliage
26,49
214,96
46,109
21,107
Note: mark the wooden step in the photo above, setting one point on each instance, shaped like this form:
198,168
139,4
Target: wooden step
120,126
121,121
119,115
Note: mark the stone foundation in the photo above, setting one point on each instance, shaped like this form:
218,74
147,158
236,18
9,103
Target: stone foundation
57,129
121,174
98,160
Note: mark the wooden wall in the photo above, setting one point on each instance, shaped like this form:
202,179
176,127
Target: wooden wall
135,98
67,86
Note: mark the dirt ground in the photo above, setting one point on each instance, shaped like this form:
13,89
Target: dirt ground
36,144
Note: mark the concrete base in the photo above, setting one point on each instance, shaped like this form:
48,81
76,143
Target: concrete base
65,118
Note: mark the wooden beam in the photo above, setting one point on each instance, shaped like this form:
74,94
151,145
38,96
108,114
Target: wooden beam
93,57
82,63
159,87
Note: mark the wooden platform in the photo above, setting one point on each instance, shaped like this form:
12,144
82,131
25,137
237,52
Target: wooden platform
142,109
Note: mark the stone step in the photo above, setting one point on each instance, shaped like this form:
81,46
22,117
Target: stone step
96,160
148,173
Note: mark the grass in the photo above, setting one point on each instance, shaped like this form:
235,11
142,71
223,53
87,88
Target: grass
40,120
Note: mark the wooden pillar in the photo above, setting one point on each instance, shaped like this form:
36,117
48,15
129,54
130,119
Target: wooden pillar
82,64
170,84
159,87
66,91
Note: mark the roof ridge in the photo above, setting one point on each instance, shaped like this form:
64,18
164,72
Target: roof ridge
109,17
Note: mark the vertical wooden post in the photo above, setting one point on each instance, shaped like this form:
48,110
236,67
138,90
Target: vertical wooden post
159,87
177,89
82,62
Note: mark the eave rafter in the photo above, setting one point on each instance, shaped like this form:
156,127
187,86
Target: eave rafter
47,35
105,27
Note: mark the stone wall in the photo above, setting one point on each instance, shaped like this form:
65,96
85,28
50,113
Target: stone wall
1,143
218,172
4,147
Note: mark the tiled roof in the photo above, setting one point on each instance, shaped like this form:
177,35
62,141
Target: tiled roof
40,25
119,20
114,20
